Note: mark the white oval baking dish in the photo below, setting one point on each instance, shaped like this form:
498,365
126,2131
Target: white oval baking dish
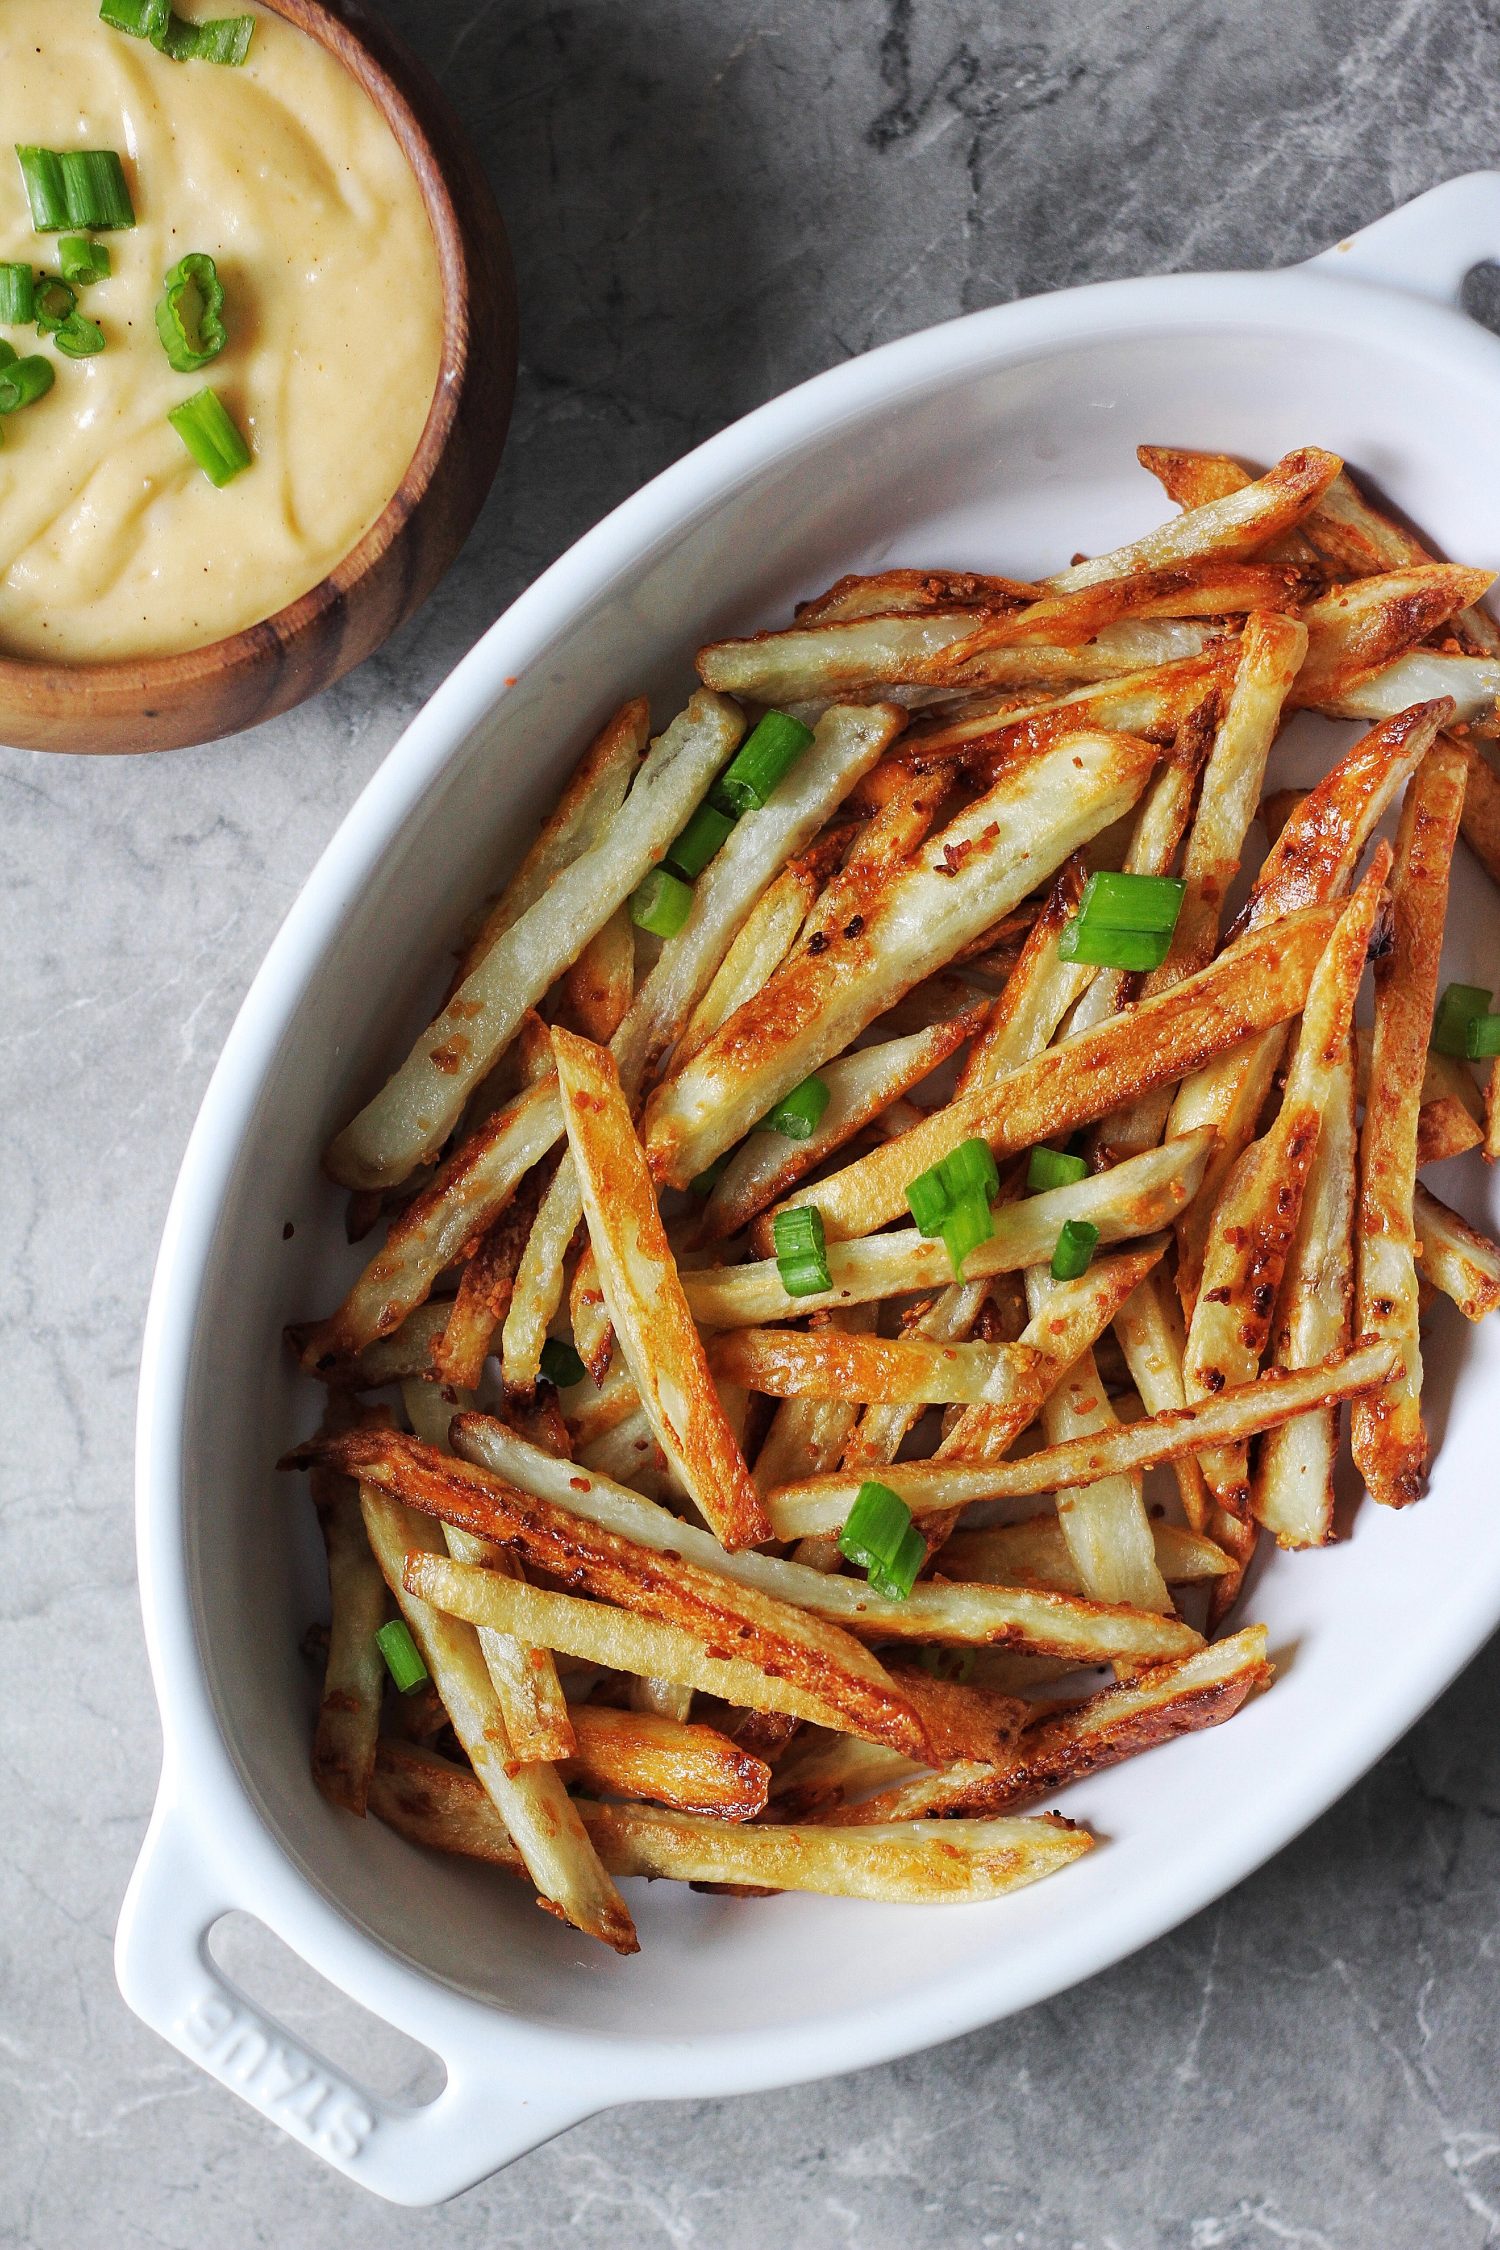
1000,441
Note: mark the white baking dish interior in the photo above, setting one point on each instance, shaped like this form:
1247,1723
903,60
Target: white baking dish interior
1004,442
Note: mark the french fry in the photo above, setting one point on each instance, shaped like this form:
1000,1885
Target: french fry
904,593
860,1086
1152,704
407,1350
600,985
530,1799
1135,1199
1480,824
1038,992
435,1804
578,821
644,1294
1254,1221
1388,1437
1149,1331
825,662
823,1503
983,862
1253,985
1470,683
1196,1691
1240,523
1192,479
692,1768
485,1288
809,1433
905,1370
1456,1257
824,1770
1210,586
1358,628
1035,1553
769,933
416,1109
1444,1129
959,1719
588,1315
343,1752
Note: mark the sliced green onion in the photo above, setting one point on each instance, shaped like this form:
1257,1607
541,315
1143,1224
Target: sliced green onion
967,1225
402,1659
561,1364
54,301
799,1113
881,1540
766,756
143,19
801,1251
225,39
929,1200
188,316
23,381
966,1173
1076,1244
1132,902
17,296
79,337
95,189
206,428
1482,1038
1103,948
1457,1009
662,903
83,261
704,1182
701,838
1050,1168
41,170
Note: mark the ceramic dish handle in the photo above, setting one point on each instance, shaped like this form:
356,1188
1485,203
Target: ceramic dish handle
409,2154
1428,245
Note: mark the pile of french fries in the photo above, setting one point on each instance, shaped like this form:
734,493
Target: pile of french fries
645,1650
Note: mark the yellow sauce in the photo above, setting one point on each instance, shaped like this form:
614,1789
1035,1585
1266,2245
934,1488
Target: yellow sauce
113,543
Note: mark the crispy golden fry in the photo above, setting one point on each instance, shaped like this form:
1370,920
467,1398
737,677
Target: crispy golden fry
959,1719
1240,523
1470,683
343,1753
823,1503
524,1678
984,861
1292,1492
530,1799
769,933
485,1287
467,1196
407,1350
1251,1230
1480,824
600,985
436,1804
1192,479
1135,1199
1444,1129
578,821
809,1433
1456,1257
861,1086
824,662
1038,992
1254,984
414,1112
1208,586
824,1770
713,1607
1035,1553
645,1298
1149,1331
1390,1443
906,1370
1358,628
1152,704
588,1315
1447,1080
639,1754
1201,1690
904,593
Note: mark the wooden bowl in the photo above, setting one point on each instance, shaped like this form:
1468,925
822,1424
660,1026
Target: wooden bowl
164,702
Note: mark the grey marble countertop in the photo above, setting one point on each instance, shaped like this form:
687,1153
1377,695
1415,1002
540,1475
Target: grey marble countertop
710,199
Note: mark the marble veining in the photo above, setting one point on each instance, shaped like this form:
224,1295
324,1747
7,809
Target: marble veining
710,199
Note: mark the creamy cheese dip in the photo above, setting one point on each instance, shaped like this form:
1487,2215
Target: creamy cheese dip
113,543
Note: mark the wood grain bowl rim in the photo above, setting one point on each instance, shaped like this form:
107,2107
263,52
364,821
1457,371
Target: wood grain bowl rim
410,100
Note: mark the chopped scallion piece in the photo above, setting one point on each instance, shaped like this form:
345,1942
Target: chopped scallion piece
95,189
1132,902
1458,1008
206,428
966,1175
1050,1168
561,1364
41,170
188,316
801,1251
143,19
1482,1037
701,838
82,261
54,301
708,1179
23,381
17,296
662,903
799,1113
79,337
402,1659
881,1540
1076,1244
766,756
224,40
967,1225
1103,948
